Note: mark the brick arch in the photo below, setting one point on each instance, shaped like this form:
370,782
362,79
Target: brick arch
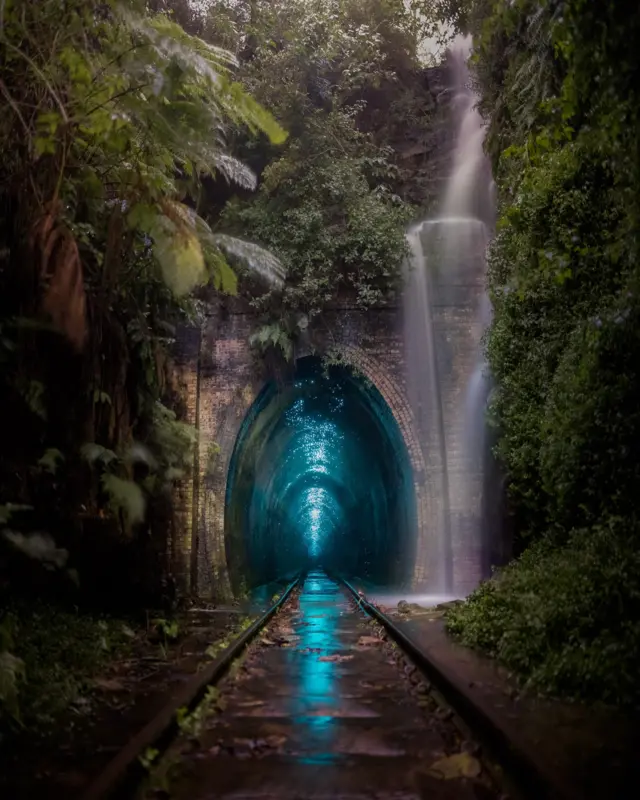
398,402
220,385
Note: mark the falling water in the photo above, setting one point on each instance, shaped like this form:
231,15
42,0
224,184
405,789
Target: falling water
446,311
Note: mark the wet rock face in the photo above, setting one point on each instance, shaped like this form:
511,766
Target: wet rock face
424,144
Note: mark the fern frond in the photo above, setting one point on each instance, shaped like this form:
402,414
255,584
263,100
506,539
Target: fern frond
235,171
38,546
139,454
241,106
92,453
223,277
51,460
176,245
125,496
252,257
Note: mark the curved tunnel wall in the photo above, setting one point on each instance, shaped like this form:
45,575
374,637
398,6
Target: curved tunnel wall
320,474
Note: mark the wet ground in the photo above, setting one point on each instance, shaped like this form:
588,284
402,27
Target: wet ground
323,707
56,762
585,752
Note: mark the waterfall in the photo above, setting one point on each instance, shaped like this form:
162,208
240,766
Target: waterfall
446,311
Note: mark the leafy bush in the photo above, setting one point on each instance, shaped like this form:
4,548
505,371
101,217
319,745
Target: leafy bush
559,84
318,212
329,202
54,654
112,127
591,429
566,619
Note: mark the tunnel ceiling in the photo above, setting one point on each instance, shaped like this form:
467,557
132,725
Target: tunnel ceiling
320,475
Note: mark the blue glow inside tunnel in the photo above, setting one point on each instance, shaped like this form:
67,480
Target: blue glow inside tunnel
320,475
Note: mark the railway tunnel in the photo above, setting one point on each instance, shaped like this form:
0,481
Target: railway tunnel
320,476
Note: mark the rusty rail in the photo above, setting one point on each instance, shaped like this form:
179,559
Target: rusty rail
525,775
125,771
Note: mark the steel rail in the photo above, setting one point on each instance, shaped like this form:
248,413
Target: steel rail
125,771
524,773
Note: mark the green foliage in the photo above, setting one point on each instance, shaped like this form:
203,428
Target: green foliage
565,618
8,509
148,758
125,496
563,287
559,87
274,335
127,113
318,211
54,654
327,204
167,455
171,441
213,452
112,127
191,723
170,630
51,460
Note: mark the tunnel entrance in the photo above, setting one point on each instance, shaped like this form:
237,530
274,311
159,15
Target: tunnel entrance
320,477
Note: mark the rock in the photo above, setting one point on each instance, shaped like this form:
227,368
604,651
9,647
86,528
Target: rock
449,604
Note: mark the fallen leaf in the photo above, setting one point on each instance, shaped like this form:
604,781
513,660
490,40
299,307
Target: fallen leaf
375,686
367,641
335,658
276,741
460,765
108,685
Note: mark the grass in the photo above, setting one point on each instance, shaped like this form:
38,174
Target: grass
61,651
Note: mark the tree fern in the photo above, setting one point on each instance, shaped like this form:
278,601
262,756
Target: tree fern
252,257
143,108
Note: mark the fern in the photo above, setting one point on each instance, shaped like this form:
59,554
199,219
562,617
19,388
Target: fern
142,108
139,454
95,453
126,496
173,441
273,335
235,171
38,546
252,257
50,461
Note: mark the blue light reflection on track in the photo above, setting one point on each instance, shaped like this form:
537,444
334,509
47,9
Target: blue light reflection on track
319,679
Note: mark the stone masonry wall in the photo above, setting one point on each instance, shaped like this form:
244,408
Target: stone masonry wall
220,392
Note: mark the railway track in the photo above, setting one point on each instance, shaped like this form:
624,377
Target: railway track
321,697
